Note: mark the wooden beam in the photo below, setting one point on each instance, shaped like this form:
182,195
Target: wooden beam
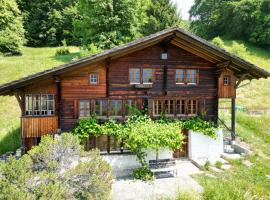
196,52
108,63
223,65
233,119
242,77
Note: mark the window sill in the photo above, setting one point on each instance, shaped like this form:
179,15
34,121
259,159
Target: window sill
144,85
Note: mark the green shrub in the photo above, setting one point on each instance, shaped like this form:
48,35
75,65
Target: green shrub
199,125
238,49
53,170
207,165
143,174
62,50
218,164
218,42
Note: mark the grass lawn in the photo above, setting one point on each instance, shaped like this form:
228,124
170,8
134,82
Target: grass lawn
11,68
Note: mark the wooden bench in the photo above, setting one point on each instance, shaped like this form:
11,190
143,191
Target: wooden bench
163,166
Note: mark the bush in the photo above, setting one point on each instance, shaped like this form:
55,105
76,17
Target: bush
143,174
206,165
218,42
238,49
54,170
62,50
218,164
199,125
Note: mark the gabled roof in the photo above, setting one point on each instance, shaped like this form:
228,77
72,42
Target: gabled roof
176,36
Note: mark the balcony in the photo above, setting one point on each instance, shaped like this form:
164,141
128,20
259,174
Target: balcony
143,85
37,126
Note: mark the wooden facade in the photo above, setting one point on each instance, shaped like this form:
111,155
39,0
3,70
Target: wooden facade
186,82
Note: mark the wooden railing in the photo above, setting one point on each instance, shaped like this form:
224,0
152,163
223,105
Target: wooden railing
38,126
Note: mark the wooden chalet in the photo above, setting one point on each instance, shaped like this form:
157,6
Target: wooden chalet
171,72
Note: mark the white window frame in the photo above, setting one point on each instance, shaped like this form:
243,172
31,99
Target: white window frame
93,78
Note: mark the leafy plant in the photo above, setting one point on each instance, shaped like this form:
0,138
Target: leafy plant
143,174
218,164
218,41
86,127
207,165
199,125
63,50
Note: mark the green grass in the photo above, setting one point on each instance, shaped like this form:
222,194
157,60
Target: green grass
242,182
32,61
257,94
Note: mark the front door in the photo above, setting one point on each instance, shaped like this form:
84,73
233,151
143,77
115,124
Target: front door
183,152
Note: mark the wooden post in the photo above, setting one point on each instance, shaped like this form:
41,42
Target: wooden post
108,62
108,144
59,101
233,119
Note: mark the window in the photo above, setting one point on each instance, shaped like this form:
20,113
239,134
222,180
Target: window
141,75
134,75
191,76
181,107
226,80
28,105
186,76
169,107
157,107
129,104
93,79
180,76
39,104
115,107
84,108
100,107
192,107
147,75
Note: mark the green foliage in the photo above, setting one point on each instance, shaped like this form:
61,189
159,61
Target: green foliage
49,22
238,19
63,50
207,165
218,164
238,49
11,28
161,14
53,170
143,174
199,125
218,41
119,22
86,127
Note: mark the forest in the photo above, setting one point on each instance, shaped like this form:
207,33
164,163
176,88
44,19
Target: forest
102,24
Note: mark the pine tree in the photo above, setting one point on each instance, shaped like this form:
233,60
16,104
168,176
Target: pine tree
161,14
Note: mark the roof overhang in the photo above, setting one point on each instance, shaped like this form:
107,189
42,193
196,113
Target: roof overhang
176,36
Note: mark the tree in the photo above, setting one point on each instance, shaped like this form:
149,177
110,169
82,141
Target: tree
108,23
54,170
161,14
247,20
11,28
48,23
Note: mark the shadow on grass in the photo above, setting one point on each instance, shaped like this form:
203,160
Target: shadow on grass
11,141
66,58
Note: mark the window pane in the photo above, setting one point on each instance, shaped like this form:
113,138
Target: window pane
37,105
104,108
94,78
134,75
191,76
157,107
147,75
112,107
97,107
129,105
119,108
28,105
84,107
180,76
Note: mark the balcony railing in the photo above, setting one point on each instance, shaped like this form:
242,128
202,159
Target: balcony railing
38,126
